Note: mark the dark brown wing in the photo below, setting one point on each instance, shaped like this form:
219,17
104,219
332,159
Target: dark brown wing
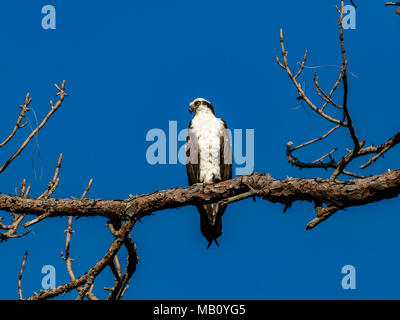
225,164
192,158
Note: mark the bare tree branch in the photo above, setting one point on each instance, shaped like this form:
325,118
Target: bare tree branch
328,195
18,125
68,260
20,276
339,167
89,276
346,193
61,93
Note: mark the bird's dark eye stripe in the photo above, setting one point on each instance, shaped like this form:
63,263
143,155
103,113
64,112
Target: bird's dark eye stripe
197,103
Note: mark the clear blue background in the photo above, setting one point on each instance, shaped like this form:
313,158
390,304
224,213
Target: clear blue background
131,66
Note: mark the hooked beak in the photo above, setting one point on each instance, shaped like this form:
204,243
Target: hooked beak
192,108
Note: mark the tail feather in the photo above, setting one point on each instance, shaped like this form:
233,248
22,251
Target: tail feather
211,225
210,242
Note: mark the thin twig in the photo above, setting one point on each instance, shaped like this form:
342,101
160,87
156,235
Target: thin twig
324,156
67,258
54,108
20,276
316,140
18,125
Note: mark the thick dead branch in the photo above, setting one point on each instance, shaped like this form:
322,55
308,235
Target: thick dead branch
336,194
347,193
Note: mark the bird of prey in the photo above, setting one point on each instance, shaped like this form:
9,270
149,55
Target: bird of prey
208,160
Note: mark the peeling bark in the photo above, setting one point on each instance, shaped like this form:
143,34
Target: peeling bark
342,194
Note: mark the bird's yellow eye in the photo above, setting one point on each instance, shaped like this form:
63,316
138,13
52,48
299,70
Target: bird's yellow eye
197,103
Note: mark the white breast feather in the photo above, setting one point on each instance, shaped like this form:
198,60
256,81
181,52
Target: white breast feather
208,129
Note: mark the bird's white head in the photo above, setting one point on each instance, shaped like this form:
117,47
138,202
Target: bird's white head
200,104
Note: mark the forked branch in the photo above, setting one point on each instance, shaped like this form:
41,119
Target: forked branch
358,149
328,195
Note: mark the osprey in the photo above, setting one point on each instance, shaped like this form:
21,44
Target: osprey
208,160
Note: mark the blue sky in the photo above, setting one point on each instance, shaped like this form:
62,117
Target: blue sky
133,66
